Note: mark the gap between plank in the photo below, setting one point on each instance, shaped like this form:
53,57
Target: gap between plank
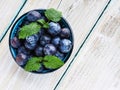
59,4
5,32
83,43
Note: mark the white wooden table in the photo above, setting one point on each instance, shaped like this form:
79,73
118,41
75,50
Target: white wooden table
95,61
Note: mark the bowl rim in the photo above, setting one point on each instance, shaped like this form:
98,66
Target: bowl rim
12,31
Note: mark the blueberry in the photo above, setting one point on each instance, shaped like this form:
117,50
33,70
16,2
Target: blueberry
41,32
54,28
65,45
65,33
30,46
32,39
59,55
45,40
33,16
25,22
21,59
49,49
15,43
41,69
56,41
23,50
44,18
39,51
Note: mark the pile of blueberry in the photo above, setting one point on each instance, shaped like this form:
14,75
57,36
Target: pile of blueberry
56,40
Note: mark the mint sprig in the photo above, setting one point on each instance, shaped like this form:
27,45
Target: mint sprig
50,62
34,27
29,30
53,15
33,64
43,23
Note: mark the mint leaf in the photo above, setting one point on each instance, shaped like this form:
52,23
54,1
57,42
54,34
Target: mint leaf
29,30
44,24
52,62
41,21
33,64
53,15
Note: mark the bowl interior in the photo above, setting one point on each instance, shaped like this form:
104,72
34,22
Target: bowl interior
18,23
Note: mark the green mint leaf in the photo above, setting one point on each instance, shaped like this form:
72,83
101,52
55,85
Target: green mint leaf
52,62
33,64
41,21
29,30
46,25
53,14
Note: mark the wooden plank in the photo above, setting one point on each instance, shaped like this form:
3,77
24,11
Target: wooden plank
81,15
14,77
8,11
97,66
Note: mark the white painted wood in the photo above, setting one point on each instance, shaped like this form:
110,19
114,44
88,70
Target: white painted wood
97,66
7,14
81,15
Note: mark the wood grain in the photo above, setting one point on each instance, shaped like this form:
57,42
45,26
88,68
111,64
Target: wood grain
81,14
97,66
7,13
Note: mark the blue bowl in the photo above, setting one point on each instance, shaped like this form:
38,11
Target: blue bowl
15,28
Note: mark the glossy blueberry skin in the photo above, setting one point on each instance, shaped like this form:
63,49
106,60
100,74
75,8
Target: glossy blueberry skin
31,42
41,69
45,39
23,50
15,43
41,32
49,49
30,46
25,22
59,55
65,33
65,46
32,39
39,51
54,28
56,41
44,18
33,16
21,59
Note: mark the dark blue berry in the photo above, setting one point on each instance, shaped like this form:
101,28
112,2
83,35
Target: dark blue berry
39,51
44,18
49,49
65,46
65,33
25,22
40,69
56,41
41,32
15,43
59,55
23,50
45,40
32,39
30,46
33,16
54,28
21,59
